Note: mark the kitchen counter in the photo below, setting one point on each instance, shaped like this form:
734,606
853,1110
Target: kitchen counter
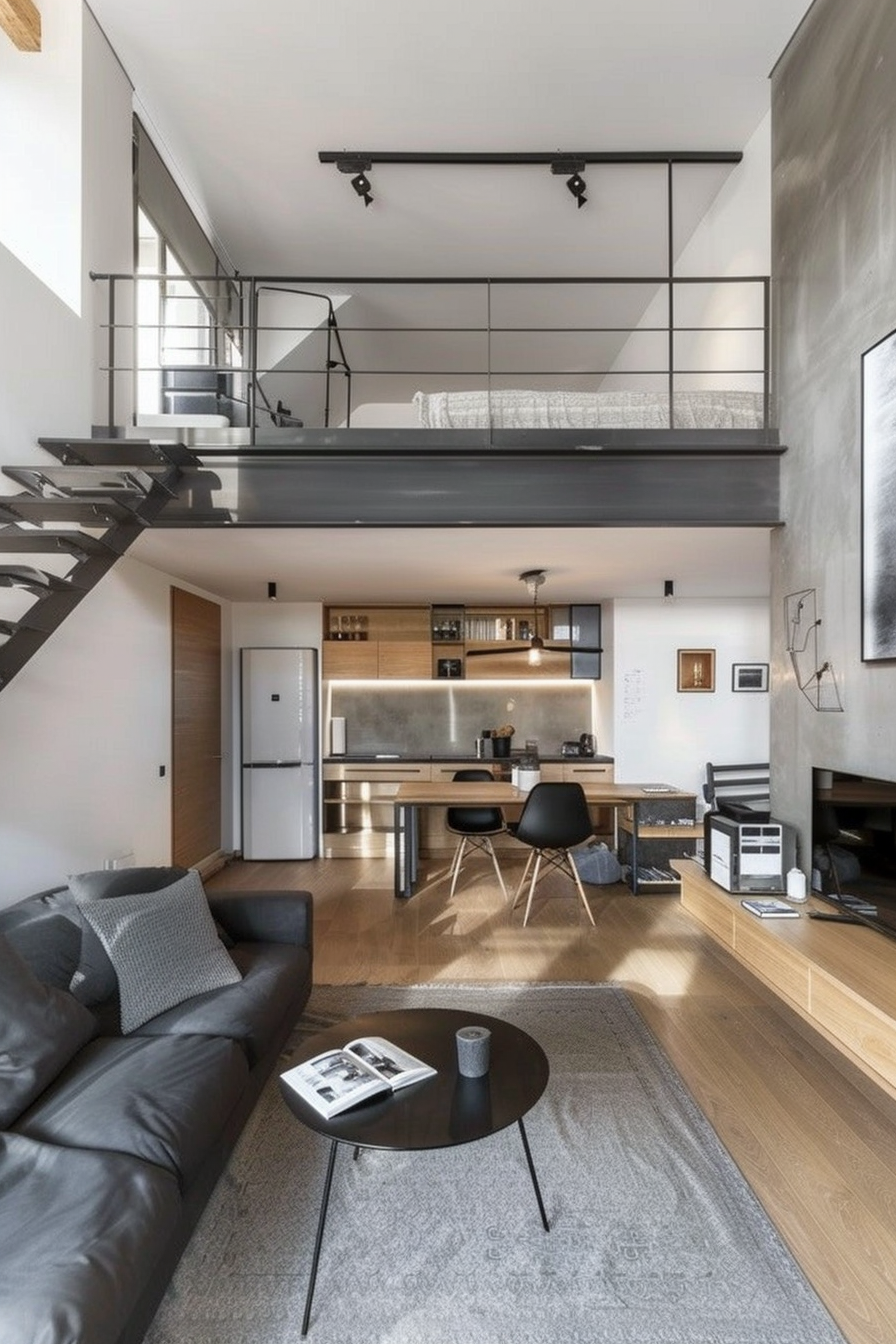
359,793
552,758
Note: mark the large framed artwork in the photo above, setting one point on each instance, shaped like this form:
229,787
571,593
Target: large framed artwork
879,500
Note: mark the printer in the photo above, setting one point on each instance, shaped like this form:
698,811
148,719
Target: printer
747,854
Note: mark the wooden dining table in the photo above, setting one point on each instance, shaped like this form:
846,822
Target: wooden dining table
411,796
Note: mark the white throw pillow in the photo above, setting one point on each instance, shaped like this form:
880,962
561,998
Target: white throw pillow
164,947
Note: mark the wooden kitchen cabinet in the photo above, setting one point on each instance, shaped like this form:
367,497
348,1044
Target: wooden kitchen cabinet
372,643
409,658
451,642
349,660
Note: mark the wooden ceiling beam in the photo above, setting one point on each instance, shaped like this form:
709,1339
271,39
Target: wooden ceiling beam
20,20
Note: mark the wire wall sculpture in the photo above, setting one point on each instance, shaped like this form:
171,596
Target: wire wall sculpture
814,677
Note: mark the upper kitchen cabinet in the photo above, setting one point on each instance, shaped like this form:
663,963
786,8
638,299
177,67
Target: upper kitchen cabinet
453,642
377,642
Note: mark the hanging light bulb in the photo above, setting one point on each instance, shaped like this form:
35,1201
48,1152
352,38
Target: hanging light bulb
533,579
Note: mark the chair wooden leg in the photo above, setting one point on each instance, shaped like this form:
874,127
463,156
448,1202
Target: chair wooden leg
491,849
455,867
532,887
578,881
519,891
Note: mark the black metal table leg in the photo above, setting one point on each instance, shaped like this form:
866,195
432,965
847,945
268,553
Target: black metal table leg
322,1218
544,1217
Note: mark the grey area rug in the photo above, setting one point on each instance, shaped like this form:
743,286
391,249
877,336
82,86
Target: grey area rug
655,1236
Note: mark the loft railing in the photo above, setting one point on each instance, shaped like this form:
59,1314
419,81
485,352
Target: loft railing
288,353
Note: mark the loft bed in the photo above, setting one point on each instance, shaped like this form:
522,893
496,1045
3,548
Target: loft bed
515,408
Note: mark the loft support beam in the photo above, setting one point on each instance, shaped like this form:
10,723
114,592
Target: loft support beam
20,20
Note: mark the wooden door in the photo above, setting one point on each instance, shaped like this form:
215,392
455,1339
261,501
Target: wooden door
196,728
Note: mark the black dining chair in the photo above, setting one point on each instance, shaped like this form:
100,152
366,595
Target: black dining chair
554,819
475,826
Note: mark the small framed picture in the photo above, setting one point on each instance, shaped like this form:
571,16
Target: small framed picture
696,669
749,676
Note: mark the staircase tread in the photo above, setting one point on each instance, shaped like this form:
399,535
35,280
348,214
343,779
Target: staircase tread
16,540
120,452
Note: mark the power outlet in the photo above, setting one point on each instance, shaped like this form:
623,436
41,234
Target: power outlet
119,861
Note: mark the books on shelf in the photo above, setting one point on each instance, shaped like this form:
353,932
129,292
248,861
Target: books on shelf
339,1079
768,907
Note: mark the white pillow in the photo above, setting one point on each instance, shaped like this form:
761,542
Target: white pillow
164,947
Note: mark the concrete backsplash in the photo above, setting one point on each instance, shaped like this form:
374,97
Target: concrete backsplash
446,720
834,286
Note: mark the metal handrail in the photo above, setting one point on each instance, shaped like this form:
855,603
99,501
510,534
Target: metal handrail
247,329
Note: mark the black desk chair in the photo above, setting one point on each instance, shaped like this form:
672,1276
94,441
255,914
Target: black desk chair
475,826
555,818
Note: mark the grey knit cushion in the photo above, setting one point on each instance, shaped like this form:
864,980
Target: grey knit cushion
164,948
94,979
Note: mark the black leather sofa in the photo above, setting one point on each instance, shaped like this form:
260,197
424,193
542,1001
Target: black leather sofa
106,1168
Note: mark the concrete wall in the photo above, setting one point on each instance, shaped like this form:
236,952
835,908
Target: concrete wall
834,266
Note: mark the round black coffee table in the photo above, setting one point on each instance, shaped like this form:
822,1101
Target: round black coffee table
438,1112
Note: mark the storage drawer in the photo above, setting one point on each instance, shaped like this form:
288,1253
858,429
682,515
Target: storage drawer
392,771
446,771
585,773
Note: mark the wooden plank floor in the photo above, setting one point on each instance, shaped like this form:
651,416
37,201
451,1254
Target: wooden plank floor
814,1137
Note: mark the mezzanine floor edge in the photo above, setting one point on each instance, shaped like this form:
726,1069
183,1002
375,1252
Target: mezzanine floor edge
813,1135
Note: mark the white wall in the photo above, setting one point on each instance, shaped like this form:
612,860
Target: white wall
662,734
40,151
47,356
733,239
86,725
84,729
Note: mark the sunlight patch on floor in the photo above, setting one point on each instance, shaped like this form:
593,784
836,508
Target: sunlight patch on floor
668,973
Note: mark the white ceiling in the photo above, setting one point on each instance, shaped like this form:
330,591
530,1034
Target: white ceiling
469,565
240,99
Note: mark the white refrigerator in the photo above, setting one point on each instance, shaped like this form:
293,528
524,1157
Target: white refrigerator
279,753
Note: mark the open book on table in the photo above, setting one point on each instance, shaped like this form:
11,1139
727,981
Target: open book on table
339,1079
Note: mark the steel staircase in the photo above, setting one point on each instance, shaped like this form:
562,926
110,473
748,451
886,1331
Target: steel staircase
88,507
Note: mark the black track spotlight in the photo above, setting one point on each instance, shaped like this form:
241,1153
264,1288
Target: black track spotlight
360,181
575,182
361,184
272,591
668,589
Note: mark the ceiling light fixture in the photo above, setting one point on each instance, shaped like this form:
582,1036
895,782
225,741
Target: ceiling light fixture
534,653
360,167
669,590
272,591
575,183
569,165
533,579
